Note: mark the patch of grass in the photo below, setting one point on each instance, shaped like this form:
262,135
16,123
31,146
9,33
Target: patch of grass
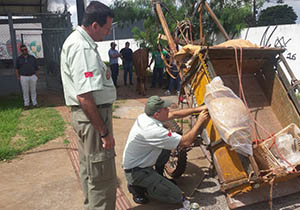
22,131
116,117
66,142
114,107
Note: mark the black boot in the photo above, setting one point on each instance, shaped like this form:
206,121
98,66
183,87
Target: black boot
138,194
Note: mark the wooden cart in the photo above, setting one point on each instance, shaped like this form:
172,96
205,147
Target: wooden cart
271,101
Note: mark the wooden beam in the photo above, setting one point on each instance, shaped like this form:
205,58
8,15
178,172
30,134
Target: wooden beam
214,17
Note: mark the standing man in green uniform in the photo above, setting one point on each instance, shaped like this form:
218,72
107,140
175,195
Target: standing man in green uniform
158,69
89,90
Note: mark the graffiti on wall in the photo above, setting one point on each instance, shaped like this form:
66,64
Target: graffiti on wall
3,51
282,36
35,48
282,43
32,41
6,49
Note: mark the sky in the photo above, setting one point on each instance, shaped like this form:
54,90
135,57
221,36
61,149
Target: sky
59,5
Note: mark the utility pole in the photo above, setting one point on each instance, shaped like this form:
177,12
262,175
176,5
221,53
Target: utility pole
81,5
254,12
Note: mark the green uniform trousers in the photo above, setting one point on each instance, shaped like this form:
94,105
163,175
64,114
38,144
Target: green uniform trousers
97,165
158,187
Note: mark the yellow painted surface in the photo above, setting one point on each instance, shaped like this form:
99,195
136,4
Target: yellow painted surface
228,161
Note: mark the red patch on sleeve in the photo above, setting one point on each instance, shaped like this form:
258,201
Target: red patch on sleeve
88,74
170,133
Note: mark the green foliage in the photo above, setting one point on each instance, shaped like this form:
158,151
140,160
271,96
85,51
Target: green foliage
277,15
129,11
232,14
298,96
22,131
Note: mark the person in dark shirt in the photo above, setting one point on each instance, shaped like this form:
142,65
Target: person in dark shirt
27,73
127,62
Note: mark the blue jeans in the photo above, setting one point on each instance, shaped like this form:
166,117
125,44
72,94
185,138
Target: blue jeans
174,81
158,71
114,73
127,66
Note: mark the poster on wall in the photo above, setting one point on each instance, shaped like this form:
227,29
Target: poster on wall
282,36
31,38
34,44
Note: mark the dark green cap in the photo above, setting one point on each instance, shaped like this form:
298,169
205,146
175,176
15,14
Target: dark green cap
154,104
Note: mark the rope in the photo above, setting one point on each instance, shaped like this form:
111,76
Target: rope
164,59
242,95
271,192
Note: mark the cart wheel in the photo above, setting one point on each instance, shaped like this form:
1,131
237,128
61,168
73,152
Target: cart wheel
176,165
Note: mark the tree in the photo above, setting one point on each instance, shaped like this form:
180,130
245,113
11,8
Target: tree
277,15
231,13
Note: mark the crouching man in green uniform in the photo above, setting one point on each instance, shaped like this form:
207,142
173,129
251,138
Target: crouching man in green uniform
147,141
89,90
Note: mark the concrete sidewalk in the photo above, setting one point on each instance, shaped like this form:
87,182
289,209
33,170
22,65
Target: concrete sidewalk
46,178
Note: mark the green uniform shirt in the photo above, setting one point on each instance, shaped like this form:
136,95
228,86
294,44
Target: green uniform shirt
159,63
83,71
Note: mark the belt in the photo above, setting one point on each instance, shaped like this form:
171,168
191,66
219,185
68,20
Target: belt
104,105
74,108
134,169
27,74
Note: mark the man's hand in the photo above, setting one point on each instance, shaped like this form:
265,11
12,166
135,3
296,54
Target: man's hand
108,142
202,116
201,108
188,138
107,75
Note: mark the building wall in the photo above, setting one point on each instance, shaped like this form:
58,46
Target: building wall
104,46
284,36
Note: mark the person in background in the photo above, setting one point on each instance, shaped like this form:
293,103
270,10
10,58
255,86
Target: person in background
158,67
113,61
147,146
90,92
27,72
127,62
174,79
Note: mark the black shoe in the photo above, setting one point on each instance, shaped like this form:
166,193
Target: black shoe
36,106
131,83
26,108
140,199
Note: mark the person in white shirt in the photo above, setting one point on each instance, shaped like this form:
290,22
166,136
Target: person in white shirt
146,141
113,61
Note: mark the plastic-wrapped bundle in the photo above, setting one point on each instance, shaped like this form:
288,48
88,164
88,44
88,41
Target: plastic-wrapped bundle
229,115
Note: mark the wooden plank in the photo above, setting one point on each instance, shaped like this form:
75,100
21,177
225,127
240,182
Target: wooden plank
228,66
263,193
247,53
